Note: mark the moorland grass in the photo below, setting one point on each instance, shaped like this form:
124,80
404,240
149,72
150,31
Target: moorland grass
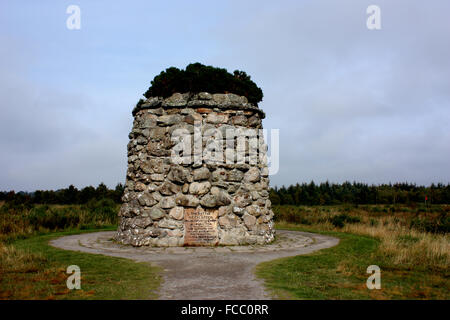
32,269
410,244
340,272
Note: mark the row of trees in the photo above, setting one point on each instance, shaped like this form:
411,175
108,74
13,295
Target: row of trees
300,194
70,195
359,193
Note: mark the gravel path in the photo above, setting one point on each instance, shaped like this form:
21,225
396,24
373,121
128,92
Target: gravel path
204,272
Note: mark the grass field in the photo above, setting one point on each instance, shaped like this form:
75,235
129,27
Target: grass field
414,263
23,220
31,269
410,244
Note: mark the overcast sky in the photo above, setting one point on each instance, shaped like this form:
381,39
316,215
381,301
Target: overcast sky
350,103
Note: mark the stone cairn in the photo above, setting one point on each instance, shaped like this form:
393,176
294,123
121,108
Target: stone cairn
196,200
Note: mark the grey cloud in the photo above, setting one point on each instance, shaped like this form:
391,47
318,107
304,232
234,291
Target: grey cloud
51,137
351,104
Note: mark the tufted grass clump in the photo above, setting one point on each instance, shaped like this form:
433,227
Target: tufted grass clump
407,239
22,221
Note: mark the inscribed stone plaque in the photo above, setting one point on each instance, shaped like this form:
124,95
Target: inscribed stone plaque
200,227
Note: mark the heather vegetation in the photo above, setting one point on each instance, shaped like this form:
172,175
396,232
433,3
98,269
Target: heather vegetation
31,269
391,226
200,78
27,213
410,244
23,220
421,218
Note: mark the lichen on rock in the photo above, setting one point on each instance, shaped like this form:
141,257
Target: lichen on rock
161,195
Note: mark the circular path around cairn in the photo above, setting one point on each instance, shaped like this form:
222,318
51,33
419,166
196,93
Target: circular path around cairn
201,273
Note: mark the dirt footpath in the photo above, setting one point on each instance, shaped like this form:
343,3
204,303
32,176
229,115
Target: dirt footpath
201,272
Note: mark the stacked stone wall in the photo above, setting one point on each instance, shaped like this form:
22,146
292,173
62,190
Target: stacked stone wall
190,198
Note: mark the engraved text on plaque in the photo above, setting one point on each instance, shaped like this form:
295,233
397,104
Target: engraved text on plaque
200,227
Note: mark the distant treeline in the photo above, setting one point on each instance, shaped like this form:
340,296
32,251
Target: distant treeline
359,193
300,194
70,195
